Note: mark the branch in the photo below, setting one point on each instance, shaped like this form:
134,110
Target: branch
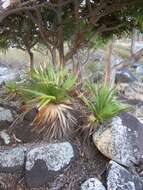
103,10
132,59
43,32
80,41
8,12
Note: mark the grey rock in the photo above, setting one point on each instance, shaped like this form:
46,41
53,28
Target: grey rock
5,137
139,70
121,179
45,161
7,74
121,141
3,71
12,160
5,115
7,77
124,75
92,184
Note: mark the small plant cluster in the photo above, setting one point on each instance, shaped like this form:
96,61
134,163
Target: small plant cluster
51,91
103,106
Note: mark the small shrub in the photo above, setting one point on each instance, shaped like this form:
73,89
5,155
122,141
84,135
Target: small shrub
49,91
103,106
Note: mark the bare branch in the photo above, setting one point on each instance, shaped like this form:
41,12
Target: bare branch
131,60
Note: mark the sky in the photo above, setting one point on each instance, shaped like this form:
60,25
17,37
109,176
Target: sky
5,3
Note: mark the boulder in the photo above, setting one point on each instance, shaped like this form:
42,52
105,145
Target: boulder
12,160
121,140
45,161
92,184
120,178
125,76
5,138
138,69
7,74
6,115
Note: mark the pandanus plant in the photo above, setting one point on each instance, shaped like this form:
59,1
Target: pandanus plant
103,106
50,92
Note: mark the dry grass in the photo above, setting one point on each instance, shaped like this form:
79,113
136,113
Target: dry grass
122,50
51,117
16,58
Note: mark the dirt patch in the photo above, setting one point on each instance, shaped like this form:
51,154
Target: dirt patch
23,132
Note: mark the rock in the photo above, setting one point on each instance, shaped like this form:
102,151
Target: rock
120,178
7,77
121,141
7,74
135,65
139,70
45,161
3,71
137,111
5,138
5,115
124,75
92,184
12,160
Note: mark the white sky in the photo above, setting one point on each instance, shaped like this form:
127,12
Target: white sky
5,3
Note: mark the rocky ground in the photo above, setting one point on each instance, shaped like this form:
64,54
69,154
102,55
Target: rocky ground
111,160
28,161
